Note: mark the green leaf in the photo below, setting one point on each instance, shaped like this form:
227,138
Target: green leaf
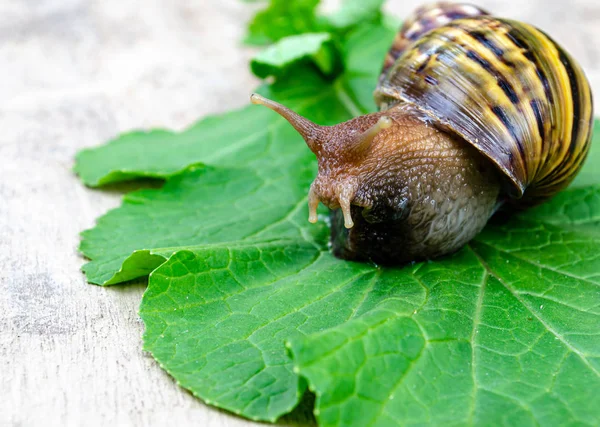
261,184
363,50
287,52
246,307
354,12
505,331
282,18
239,138
203,207
254,139
589,173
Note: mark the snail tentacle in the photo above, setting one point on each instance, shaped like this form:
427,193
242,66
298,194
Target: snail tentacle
311,132
345,196
363,141
313,204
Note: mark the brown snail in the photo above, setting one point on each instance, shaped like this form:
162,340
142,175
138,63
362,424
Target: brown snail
476,112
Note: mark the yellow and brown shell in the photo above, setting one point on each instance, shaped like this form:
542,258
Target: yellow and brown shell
503,86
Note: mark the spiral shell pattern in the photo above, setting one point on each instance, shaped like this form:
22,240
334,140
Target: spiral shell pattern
423,20
506,88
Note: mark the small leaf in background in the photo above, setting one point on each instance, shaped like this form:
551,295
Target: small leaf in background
362,51
282,18
354,12
287,52
246,307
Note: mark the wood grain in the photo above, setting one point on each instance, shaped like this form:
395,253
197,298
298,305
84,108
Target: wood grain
74,74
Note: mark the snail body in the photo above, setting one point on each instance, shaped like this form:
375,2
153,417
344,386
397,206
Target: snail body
476,112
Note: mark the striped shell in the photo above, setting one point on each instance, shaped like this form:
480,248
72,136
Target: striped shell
503,86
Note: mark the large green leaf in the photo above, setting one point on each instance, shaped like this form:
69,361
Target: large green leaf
247,308
259,187
504,332
240,138
535,274
202,207
260,150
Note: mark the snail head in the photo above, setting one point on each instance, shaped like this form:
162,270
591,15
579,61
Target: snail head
341,151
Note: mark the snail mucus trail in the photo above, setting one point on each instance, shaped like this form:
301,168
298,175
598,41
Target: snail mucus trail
399,188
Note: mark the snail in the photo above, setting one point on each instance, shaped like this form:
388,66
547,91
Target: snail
475,113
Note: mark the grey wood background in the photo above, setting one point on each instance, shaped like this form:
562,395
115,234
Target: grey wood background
73,74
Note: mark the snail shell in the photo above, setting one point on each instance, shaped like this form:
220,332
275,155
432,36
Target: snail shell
505,87
476,112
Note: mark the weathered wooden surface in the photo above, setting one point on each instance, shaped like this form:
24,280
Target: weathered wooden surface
74,73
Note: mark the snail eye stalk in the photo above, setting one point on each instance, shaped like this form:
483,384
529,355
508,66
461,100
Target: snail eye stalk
312,133
362,142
